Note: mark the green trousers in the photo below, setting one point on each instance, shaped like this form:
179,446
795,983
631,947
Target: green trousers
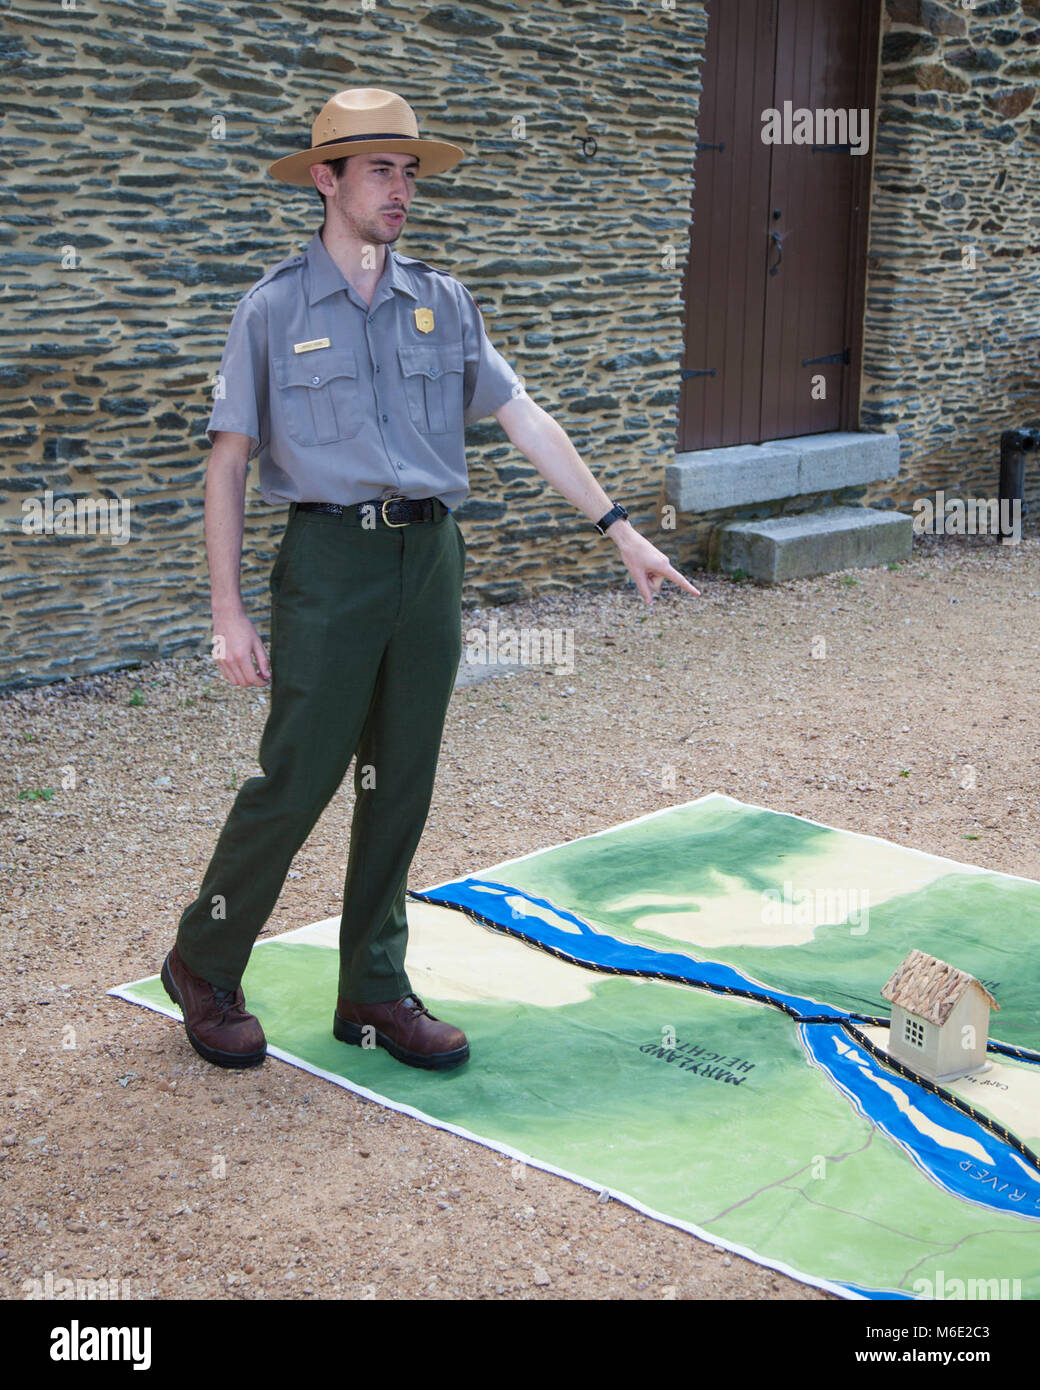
365,645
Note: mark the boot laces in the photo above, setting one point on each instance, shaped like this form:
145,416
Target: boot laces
224,998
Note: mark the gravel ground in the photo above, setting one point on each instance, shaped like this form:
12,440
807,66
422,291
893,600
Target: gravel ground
900,702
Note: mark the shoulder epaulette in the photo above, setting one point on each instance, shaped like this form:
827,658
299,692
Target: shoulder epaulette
289,263
407,262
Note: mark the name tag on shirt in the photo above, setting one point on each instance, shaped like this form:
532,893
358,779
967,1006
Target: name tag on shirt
314,343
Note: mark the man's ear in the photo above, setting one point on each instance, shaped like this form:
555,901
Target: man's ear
323,178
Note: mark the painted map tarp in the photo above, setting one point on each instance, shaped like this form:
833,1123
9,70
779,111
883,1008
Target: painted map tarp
685,1011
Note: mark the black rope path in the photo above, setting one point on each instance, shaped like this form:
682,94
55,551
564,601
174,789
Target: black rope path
670,977
909,1074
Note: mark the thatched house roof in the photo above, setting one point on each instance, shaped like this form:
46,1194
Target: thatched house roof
929,987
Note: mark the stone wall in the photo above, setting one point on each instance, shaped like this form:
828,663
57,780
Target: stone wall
136,211
952,354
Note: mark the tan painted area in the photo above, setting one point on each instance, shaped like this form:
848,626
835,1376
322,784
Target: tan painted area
451,957
1007,1091
825,887
948,1138
520,907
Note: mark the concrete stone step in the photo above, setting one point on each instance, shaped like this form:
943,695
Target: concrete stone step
708,480
808,543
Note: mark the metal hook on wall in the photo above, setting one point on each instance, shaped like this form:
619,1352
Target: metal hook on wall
585,141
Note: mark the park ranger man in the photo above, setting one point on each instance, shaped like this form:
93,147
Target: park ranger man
351,372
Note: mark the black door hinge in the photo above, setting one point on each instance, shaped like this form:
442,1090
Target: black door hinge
842,357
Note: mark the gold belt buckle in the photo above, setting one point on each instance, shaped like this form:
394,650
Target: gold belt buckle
395,524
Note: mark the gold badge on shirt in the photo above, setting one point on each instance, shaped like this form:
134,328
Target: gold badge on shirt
424,320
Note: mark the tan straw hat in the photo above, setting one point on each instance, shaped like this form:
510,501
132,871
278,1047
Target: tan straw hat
365,119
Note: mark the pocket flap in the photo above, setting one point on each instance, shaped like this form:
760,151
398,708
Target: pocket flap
430,361
314,368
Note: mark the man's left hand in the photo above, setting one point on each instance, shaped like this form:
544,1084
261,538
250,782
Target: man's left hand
645,563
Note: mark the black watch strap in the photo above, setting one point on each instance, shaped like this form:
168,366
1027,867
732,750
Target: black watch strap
616,513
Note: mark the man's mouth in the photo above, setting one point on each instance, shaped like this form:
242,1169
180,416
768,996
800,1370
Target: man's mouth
394,216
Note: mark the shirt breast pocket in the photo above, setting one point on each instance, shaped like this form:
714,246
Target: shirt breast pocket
432,376
320,395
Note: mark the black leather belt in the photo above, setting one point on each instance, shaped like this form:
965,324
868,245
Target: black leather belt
392,511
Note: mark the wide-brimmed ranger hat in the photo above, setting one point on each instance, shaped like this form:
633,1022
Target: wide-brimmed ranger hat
360,120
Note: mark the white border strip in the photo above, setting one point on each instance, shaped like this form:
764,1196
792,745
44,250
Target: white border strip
120,992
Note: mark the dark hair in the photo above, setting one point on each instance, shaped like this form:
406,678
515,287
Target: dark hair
337,166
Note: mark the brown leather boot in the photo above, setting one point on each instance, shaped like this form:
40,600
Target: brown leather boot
215,1020
407,1030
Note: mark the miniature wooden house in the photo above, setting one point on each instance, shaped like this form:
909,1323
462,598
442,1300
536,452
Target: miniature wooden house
940,1018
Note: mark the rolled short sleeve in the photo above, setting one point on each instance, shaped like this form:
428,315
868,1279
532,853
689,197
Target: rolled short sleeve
489,380
240,400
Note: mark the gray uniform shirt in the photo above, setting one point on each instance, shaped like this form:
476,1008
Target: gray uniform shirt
347,402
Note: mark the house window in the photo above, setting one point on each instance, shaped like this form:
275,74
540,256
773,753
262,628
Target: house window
913,1032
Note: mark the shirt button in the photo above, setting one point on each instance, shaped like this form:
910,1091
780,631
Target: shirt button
315,380
386,417
377,368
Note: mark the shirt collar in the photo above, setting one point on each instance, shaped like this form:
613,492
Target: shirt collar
326,277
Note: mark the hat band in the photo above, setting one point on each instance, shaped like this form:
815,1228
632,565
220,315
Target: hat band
383,135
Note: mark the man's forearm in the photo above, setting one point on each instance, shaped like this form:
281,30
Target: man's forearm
225,505
546,444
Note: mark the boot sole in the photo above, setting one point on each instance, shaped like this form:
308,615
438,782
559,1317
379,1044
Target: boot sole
210,1054
353,1033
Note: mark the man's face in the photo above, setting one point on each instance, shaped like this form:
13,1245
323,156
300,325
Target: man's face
373,194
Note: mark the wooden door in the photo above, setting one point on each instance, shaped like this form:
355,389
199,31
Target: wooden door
774,281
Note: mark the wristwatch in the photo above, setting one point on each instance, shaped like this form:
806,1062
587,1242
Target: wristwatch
616,513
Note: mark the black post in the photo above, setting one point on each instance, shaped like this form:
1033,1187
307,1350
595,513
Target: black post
1014,446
